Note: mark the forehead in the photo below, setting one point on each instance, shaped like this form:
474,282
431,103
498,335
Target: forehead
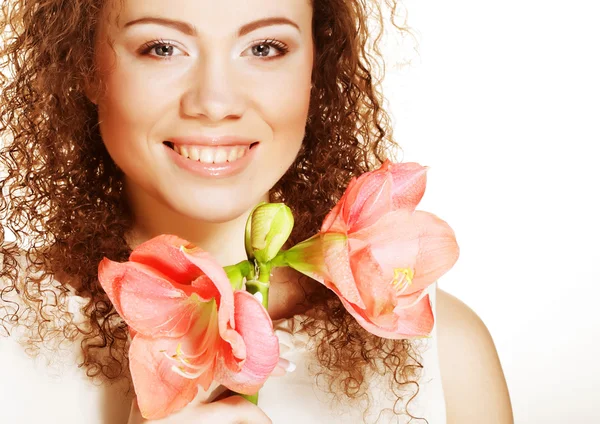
210,17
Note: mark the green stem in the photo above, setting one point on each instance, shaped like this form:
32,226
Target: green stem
260,285
237,272
279,260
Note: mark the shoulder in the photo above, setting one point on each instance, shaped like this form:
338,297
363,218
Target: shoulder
474,385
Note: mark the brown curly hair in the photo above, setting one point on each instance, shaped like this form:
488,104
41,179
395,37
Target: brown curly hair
62,193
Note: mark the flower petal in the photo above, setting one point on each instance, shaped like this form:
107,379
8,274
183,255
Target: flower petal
307,257
335,221
337,259
262,347
164,255
419,241
200,345
406,323
373,201
160,391
410,180
393,186
217,275
376,291
145,299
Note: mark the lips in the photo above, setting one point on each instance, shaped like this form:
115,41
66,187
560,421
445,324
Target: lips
208,162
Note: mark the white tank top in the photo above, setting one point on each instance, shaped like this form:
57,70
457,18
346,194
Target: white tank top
52,389
296,399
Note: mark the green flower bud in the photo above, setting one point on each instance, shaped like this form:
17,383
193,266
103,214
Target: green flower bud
267,230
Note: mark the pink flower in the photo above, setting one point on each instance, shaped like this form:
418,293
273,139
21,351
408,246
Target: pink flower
189,326
378,254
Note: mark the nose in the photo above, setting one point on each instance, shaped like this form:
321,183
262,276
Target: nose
214,93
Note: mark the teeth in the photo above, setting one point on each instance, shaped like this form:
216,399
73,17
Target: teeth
211,154
221,155
207,155
194,154
183,151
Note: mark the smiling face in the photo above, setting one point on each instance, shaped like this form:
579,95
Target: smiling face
183,77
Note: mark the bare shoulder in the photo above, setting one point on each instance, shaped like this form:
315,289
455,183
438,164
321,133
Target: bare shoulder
474,385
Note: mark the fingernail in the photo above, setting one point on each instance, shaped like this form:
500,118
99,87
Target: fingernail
288,366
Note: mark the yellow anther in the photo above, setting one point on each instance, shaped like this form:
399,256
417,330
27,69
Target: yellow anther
403,277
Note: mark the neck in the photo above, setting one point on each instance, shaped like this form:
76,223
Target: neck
223,240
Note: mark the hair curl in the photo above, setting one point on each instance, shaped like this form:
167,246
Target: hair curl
62,193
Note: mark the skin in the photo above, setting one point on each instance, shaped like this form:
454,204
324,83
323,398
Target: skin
213,83
475,389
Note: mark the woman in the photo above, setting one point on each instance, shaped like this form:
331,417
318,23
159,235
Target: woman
128,119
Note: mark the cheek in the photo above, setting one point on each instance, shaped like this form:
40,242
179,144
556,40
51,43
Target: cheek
288,112
130,113
286,104
127,104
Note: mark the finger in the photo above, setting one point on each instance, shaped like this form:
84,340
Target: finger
278,372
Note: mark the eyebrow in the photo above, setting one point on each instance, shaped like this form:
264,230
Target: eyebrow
190,29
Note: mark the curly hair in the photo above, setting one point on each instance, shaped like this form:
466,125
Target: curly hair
62,193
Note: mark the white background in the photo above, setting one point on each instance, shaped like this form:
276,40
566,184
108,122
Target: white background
503,103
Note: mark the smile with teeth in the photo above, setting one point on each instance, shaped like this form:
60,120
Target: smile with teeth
206,154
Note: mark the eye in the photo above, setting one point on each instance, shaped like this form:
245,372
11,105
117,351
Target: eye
163,49
264,49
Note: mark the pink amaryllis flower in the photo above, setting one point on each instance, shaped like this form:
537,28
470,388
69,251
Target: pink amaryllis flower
189,326
379,254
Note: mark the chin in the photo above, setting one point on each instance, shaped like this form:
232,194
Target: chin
214,210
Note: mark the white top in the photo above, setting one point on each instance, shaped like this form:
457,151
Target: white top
296,399
52,389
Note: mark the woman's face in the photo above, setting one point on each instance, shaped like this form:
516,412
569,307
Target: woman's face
184,74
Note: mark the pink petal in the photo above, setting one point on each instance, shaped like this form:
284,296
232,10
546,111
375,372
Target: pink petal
419,241
393,186
262,347
410,180
205,288
201,344
375,289
371,192
409,300
373,201
205,262
407,323
337,259
438,251
164,255
335,220
160,391
145,299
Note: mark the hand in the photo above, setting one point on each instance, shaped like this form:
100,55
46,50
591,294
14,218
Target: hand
225,408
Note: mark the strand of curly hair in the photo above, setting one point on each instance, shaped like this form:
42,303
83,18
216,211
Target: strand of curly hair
62,193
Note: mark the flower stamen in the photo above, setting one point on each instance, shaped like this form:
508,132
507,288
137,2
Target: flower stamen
182,364
403,278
